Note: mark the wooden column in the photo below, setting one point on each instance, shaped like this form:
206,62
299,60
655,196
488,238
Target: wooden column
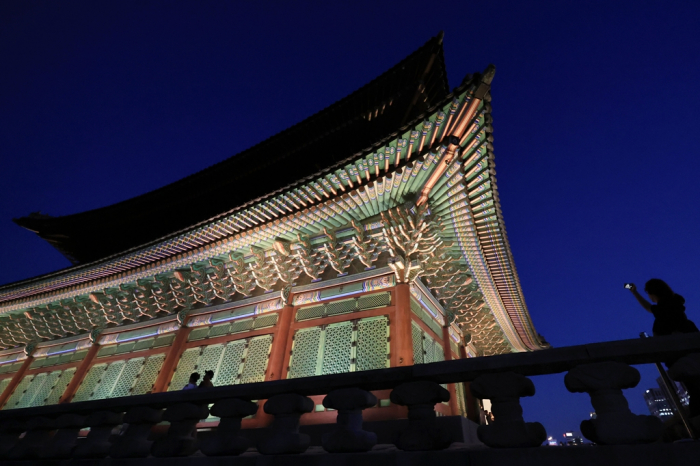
400,328
172,357
16,379
275,367
79,375
447,351
470,402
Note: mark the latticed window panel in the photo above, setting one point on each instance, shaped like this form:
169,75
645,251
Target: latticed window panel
90,382
33,389
210,358
266,321
109,379
43,392
337,348
241,325
424,316
4,383
230,363
417,339
60,386
5,368
311,312
148,375
123,384
143,344
19,392
372,347
373,301
256,358
341,307
185,367
198,333
304,353
218,330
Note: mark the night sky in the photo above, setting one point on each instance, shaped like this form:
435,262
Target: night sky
596,110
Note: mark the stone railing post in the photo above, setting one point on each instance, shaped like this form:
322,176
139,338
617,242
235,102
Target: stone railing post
348,435
687,370
35,439
9,435
285,436
508,428
226,440
96,444
65,439
134,442
614,423
181,439
422,432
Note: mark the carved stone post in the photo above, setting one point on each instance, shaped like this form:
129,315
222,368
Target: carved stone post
348,435
226,441
134,442
687,370
508,429
285,436
65,439
614,423
9,435
96,444
181,439
422,432
35,438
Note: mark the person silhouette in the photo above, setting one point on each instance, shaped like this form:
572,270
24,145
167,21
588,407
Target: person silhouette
668,308
206,381
194,377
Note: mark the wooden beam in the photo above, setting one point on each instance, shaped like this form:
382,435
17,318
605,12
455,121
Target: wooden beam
172,357
79,375
16,379
470,402
447,351
275,366
401,341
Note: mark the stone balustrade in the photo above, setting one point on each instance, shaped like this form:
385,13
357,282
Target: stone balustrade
122,427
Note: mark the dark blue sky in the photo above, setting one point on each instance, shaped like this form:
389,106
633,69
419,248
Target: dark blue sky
596,109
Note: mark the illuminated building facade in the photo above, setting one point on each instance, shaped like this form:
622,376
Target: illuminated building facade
369,235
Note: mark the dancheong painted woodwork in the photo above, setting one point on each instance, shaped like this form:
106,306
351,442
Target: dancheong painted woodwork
395,253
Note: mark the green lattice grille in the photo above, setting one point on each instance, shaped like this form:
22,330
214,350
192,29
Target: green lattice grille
305,351
372,344
218,330
185,367
9,368
417,338
109,379
148,375
360,344
425,317
230,364
127,378
90,382
242,325
60,386
33,389
266,321
43,391
19,392
146,343
3,384
256,358
361,303
337,348
454,347
210,358
198,333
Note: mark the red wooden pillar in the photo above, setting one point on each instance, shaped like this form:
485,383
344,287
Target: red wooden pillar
172,357
400,328
447,351
470,402
79,375
16,379
275,369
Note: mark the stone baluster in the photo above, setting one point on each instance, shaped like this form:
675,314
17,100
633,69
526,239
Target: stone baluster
614,423
687,370
181,439
97,444
284,436
226,440
348,435
508,428
134,443
9,435
422,432
38,434
65,439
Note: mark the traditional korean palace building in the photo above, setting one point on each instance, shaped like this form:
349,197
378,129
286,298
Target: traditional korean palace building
370,235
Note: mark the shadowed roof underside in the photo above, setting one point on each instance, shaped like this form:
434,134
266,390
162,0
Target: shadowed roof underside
353,123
